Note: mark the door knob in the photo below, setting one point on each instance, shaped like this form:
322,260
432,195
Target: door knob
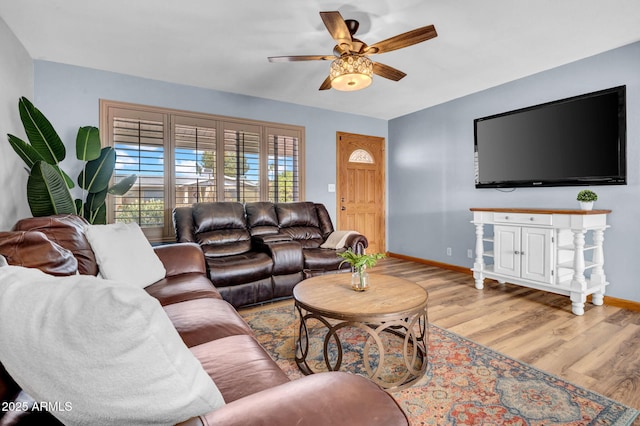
343,208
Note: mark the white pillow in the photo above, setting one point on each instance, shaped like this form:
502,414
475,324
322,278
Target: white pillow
123,253
98,352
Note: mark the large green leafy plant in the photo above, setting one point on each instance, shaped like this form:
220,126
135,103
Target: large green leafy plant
360,261
48,186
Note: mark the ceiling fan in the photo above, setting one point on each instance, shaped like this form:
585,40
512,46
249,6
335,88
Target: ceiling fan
351,68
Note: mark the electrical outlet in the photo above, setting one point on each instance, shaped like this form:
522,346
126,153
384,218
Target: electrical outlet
470,254
448,251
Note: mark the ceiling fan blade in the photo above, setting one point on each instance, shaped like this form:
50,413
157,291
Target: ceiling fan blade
387,72
337,27
403,40
326,84
301,58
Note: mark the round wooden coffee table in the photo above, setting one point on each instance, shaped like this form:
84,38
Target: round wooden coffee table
391,305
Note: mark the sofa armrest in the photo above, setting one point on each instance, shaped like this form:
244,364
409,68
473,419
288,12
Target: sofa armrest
321,399
285,253
183,224
270,238
357,243
181,258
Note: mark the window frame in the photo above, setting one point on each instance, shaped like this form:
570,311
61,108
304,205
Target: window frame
109,109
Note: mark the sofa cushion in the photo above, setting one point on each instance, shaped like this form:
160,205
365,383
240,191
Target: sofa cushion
297,214
308,236
239,269
224,242
261,218
326,226
202,320
124,254
178,288
104,352
239,366
219,215
220,228
32,249
67,231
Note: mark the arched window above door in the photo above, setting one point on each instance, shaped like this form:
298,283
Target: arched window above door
361,156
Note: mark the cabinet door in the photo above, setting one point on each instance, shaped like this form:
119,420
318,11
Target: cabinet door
506,241
537,250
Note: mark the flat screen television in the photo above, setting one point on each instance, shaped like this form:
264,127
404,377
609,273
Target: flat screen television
575,141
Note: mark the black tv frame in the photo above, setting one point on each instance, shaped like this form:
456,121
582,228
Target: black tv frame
620,179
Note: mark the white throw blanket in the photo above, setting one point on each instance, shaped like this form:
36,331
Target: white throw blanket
337,239
98,352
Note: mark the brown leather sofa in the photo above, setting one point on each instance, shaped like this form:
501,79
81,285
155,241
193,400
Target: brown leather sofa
259,251
256,390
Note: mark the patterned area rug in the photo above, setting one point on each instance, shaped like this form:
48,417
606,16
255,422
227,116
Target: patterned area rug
465,384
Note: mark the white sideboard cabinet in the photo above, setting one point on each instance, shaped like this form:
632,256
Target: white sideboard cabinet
560,251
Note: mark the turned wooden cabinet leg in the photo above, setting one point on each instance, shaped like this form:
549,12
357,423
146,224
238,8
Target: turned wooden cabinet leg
577,303
597,275
578,283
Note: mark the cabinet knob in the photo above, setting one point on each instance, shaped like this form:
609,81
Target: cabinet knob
532,219
506,218
516,252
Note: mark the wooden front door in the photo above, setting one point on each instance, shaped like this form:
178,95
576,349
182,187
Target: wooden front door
360,190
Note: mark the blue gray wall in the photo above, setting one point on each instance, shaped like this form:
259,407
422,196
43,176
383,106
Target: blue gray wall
69,96
16,79
431,170
430,152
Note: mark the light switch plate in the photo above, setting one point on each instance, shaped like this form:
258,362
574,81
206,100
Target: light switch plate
331,187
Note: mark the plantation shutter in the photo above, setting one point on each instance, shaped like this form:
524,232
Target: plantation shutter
195,161
139,143
241,162
181,158
283,163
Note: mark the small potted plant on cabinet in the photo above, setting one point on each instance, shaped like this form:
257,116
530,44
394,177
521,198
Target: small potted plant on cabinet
586,198
359,263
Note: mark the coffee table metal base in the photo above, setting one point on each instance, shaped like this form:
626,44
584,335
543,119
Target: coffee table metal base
410,331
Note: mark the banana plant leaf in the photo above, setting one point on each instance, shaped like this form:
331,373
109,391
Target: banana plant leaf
79,205
95,200
88,143
47,192
28,153
40,132
96,217
97,173
91,209
123,186
30,156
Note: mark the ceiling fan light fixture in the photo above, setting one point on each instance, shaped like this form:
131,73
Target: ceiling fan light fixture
351,72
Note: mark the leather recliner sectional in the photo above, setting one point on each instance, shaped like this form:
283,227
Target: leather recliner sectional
259,251
254,387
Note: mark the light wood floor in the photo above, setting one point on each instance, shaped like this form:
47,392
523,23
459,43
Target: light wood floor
599,350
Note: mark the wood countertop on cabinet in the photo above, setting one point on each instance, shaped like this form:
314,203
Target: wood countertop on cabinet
538,210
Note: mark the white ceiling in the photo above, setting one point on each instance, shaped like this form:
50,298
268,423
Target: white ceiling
225,45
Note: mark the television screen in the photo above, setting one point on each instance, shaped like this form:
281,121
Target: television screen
574,141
